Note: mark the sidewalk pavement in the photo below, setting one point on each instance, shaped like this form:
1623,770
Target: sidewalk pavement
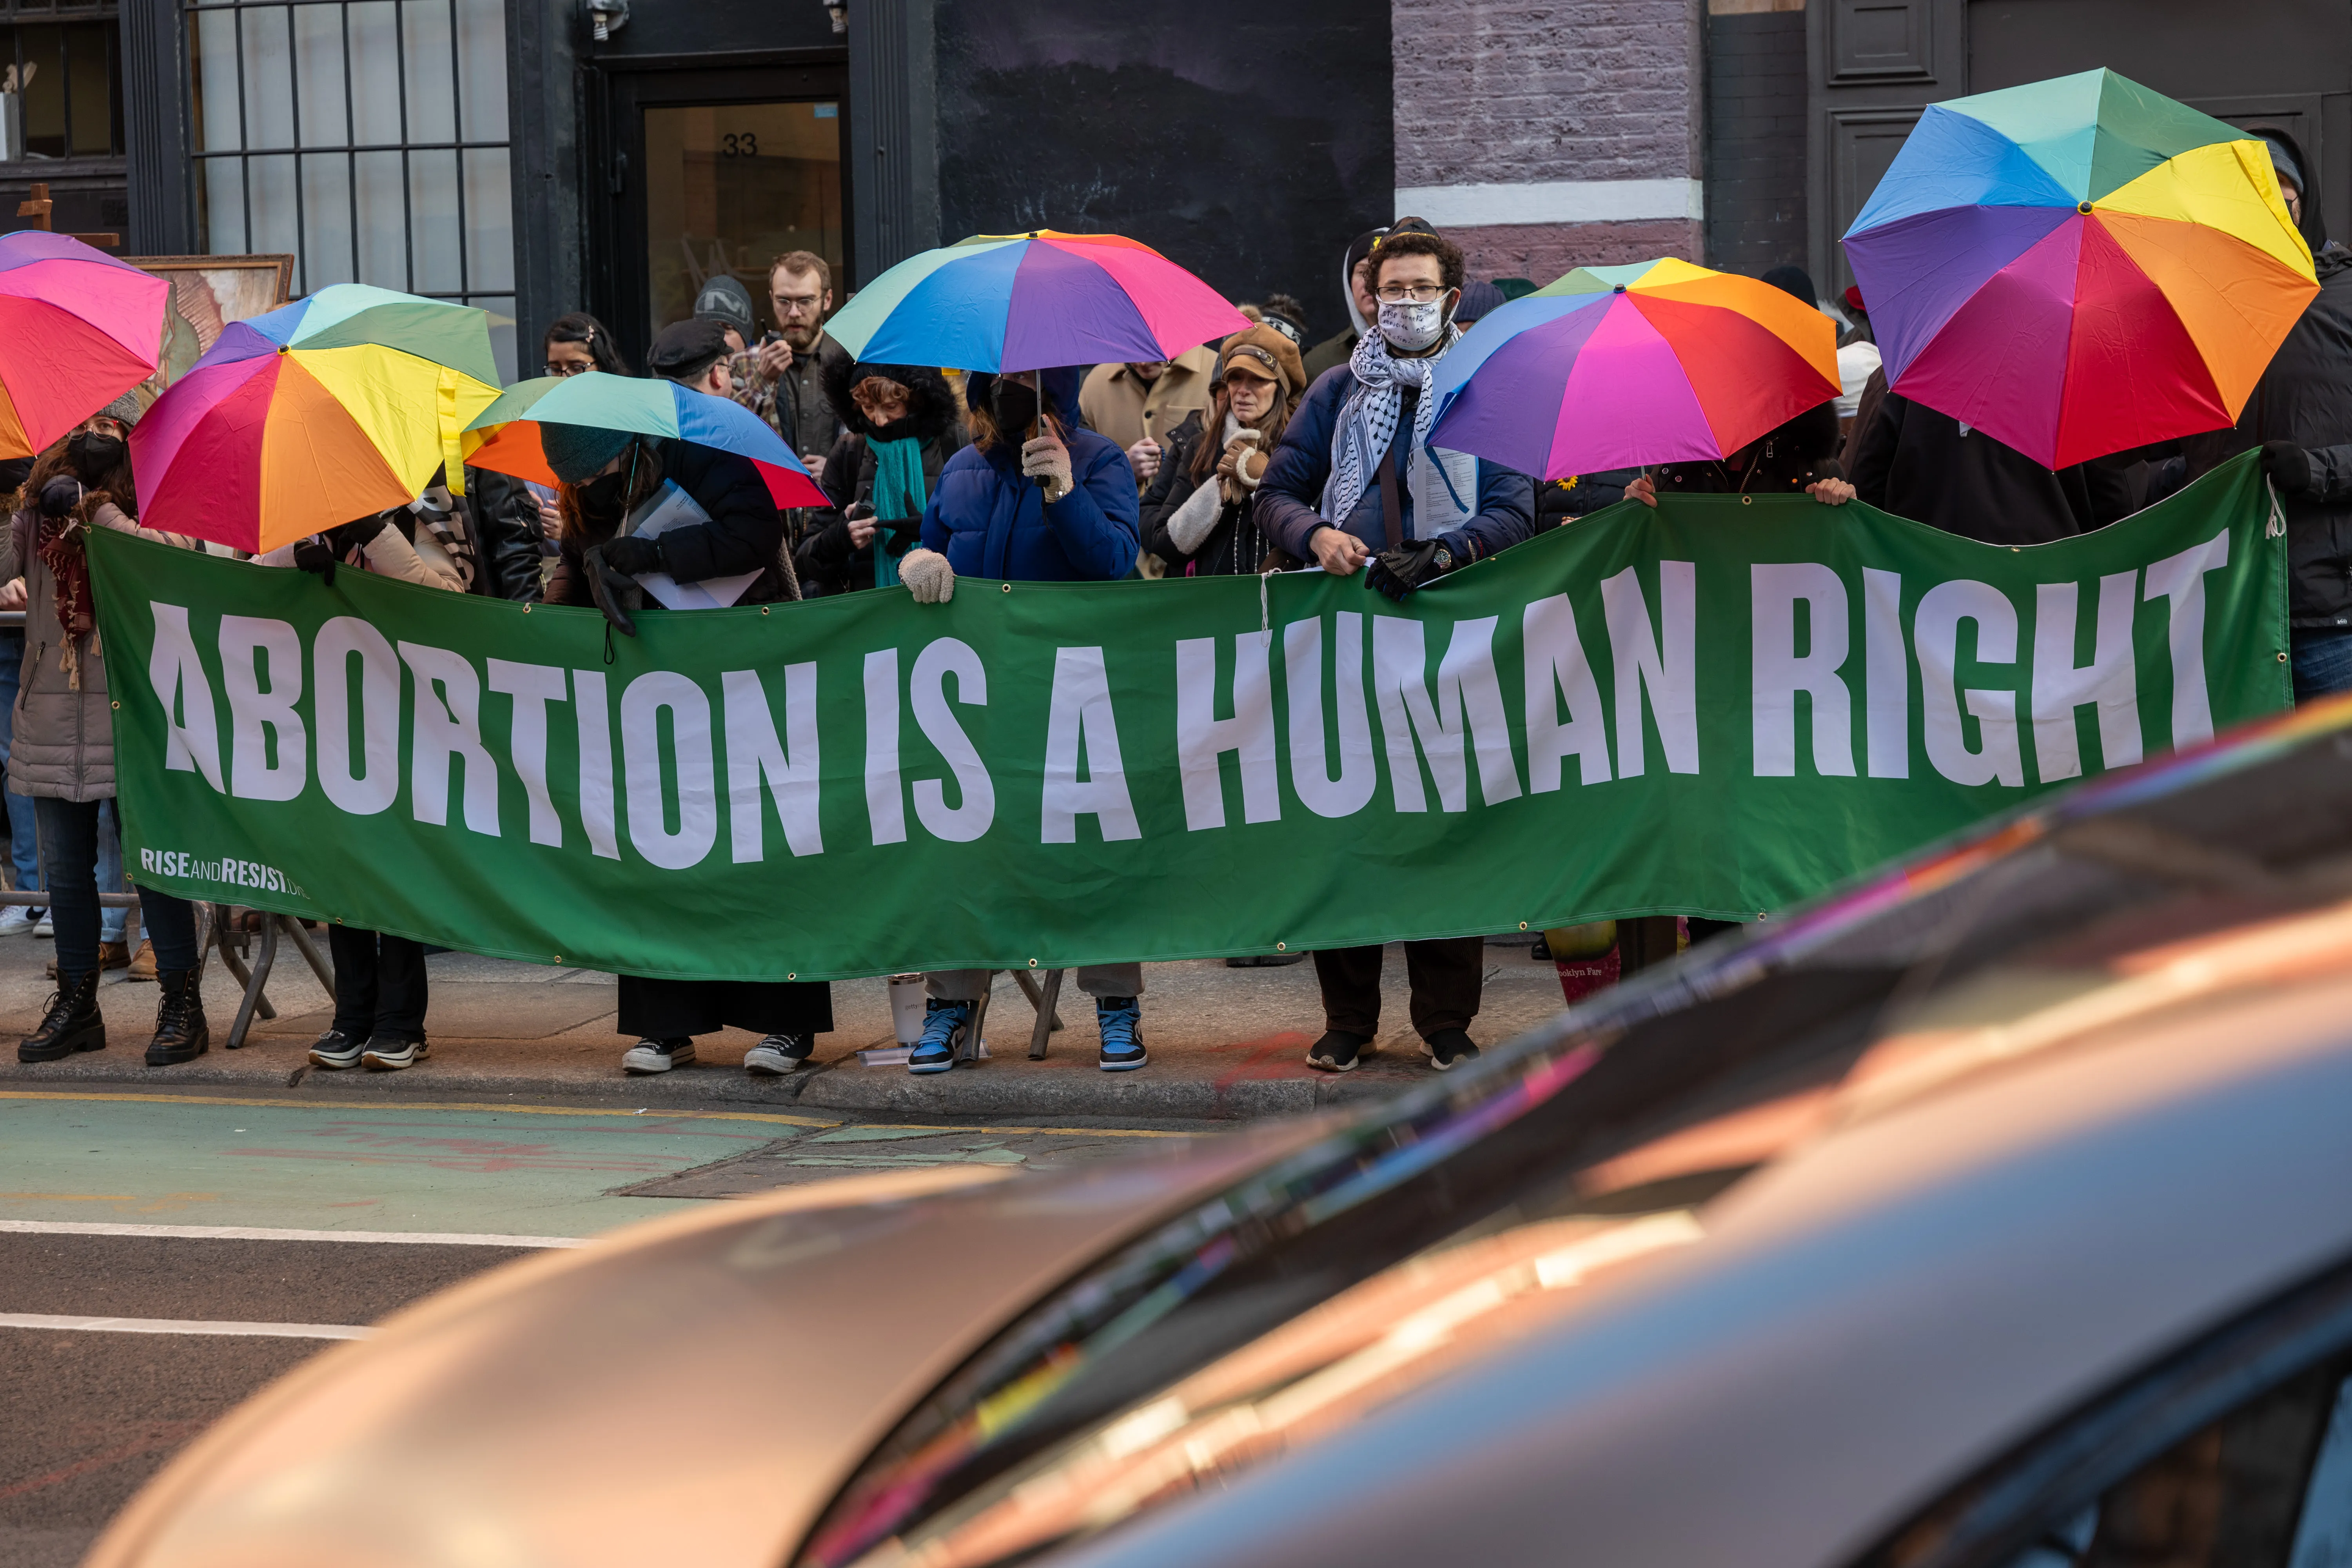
1225,1043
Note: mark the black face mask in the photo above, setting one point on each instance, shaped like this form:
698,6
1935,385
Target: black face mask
94,455
600,498
1014,407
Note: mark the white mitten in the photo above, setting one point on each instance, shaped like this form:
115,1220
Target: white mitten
928,577
1047,456
1191,523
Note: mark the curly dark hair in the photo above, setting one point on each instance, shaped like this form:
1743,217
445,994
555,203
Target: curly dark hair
1450,265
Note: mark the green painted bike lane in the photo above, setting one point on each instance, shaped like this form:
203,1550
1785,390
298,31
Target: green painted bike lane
158,1159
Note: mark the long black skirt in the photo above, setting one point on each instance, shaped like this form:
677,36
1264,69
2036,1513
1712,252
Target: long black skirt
668,1009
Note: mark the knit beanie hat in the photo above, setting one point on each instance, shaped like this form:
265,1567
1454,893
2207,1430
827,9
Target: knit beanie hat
125,409
576,451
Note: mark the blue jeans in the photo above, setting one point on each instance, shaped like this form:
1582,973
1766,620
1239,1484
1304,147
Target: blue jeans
69,837
23,838
2323,663
113,919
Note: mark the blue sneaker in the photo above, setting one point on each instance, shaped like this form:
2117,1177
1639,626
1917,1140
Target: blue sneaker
1122,1021
944,1025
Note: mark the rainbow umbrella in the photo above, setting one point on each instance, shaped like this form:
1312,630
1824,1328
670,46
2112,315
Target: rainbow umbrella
1616,367
1032,301
504,437
78,330
2079,267
335,406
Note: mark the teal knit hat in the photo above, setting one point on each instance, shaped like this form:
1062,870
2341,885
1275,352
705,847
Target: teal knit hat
576,451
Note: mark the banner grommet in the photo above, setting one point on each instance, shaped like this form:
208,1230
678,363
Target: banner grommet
1282,947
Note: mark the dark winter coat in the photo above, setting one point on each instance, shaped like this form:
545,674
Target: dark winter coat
2306,397
509,541
1234,546
1290,494
828,563
1918,463
1785,460
1560,501
744,533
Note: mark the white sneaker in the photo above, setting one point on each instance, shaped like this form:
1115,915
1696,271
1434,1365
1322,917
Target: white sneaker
779,1056
16,919
46,926
658,1056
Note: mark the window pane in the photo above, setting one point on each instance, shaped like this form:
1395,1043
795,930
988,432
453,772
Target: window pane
490,221
431,97
432,222
502,332
269,101
731,185
270,213
40,52
384,221
90,63
375,80
212,48
482,60
326,219
220,185
319,73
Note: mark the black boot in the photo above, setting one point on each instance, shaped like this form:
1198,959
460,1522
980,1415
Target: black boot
72,1023
180,1032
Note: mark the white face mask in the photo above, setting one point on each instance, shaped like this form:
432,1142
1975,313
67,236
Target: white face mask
1411,327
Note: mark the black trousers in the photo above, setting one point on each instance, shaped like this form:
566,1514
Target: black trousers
675,1009
1652,940
1444,977
379,983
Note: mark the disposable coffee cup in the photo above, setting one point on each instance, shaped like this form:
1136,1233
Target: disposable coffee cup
907,1008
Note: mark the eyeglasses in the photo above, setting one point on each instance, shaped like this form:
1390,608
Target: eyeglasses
796,304
569,367
1419,293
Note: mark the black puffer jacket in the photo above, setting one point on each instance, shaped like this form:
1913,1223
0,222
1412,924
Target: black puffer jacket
1233,547
1782,461
828,563
2306,397
744,533
509,540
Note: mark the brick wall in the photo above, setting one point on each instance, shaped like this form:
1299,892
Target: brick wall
1568,94
1755,141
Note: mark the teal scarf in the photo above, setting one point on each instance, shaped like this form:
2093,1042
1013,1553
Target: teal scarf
897,493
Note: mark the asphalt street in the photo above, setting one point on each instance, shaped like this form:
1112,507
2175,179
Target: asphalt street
164,1254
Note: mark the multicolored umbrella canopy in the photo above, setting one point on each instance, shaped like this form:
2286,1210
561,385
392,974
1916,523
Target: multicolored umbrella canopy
78,330
2078,266
329,409
504,437
1617,367
1032,301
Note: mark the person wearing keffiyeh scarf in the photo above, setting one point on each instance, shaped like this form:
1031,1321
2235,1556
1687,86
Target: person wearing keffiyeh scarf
63,752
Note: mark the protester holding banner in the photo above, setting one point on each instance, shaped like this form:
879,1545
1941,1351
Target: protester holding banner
1343,493
1199,516
62,752
900,427
1918,463
1355,472
2300,417
1058,507
606,476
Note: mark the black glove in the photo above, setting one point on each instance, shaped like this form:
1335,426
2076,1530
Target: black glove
629,555
605,585
354,535
60,496
858,511
2288,465
1398,571
314,555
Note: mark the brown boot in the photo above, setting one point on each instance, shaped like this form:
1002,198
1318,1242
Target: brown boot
143,963
110,955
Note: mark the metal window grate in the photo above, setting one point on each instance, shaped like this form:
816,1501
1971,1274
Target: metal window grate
366,137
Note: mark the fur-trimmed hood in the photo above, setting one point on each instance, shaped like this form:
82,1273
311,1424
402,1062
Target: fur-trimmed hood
931,404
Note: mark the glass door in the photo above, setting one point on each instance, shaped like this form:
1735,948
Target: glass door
717,173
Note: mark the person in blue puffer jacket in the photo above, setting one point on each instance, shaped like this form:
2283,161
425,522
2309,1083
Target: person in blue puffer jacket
1059,506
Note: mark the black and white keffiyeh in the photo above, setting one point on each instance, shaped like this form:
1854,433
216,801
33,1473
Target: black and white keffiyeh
1367,420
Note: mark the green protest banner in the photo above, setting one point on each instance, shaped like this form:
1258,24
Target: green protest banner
1714,708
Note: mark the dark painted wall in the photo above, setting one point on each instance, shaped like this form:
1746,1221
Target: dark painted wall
1755,141
1247,140
718,27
